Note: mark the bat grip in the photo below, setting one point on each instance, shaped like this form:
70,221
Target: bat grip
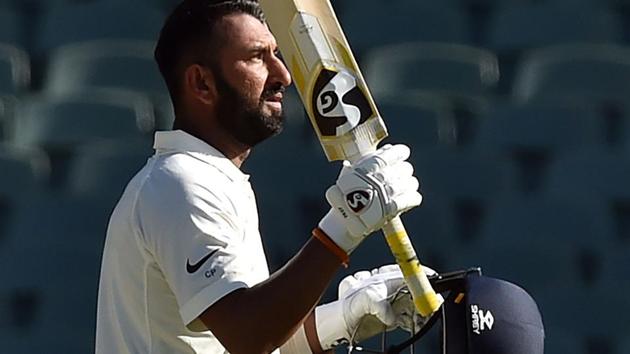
424,297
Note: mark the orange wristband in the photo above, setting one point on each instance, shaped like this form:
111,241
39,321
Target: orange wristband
332,246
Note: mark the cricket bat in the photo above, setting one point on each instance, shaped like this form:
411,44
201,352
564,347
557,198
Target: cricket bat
340,108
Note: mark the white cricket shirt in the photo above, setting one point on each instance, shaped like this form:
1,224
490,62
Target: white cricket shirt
183,235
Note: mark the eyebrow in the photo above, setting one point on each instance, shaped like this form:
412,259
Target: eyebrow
259,47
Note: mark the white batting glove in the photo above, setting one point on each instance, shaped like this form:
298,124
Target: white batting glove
369,303
368,194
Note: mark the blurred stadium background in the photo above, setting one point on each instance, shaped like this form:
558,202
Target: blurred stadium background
516,111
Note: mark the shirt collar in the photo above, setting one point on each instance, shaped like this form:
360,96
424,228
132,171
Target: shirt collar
180,141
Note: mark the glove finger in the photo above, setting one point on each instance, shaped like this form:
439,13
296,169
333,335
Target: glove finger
362,275
406,201
402,170
402,186
428,271
334,196
395,282
345,285
395,153
385,156
388,268
352,283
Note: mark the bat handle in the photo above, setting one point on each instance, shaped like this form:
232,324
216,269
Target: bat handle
424,297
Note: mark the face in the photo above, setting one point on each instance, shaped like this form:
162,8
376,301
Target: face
250,81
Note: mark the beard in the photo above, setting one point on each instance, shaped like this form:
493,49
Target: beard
247,122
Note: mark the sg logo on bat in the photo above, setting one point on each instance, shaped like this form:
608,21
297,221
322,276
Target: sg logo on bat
339,103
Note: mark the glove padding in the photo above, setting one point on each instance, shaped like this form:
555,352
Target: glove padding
369,303
368,194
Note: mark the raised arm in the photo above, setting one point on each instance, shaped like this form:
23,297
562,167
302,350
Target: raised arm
263,317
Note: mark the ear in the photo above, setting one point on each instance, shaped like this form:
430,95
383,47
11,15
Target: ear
199,83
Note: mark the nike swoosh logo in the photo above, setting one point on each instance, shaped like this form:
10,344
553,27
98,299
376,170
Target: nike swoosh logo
192,268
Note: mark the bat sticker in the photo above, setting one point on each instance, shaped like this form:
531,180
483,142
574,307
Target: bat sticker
339,104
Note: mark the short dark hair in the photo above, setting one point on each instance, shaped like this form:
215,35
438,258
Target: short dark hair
189,29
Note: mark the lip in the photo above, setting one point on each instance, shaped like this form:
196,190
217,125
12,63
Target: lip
275,104
275,98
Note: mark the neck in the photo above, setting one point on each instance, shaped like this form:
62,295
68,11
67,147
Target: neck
219,139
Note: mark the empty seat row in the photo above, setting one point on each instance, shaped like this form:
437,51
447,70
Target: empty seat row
94,65
460,187
571,73
98,170
49,266
522,141
421,121
521,130
541,242
76,228
66,122
574,72
546,23
78,21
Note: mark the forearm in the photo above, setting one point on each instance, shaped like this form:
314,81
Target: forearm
272,311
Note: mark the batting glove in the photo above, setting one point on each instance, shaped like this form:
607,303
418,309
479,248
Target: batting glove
369,303
368,194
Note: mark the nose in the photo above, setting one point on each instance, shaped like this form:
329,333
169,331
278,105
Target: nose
278,72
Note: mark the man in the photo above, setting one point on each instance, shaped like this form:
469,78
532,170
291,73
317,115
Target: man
183,267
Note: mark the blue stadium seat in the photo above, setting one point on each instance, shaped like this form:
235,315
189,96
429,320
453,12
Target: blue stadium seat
466,181
559,340
67,290
614,274
24,172
43,339
574,73
517,27
50,271
103,170
46,5
64,223
363,22
10,27
596,316
15,70
7,110
533,134
540,242
595,172
104,65
443,68
62,123
591,174
433,229
545,128
623,345
451,174
101,19
625,132
419,123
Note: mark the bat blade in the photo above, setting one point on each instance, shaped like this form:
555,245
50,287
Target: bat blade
340,108
327,77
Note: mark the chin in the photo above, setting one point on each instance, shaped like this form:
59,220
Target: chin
272,112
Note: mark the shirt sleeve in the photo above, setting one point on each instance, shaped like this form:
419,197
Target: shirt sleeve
191,228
